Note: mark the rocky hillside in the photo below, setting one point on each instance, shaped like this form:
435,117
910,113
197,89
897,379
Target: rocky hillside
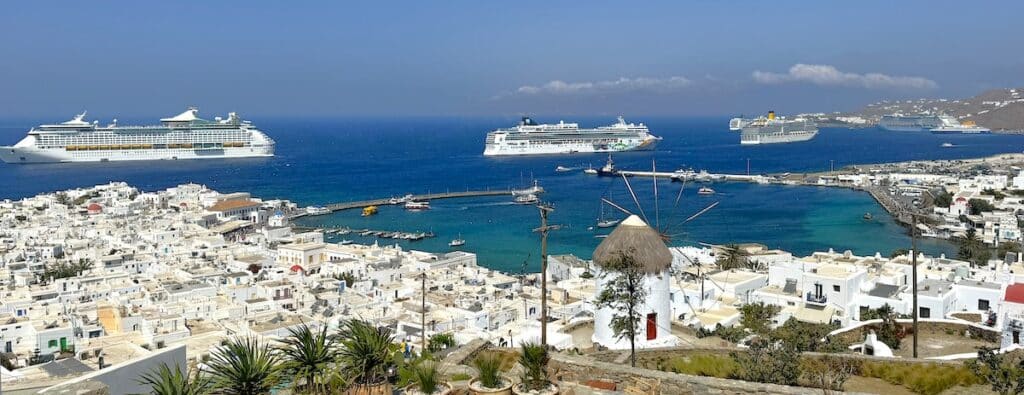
998,109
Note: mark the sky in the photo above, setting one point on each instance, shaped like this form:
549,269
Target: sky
470,58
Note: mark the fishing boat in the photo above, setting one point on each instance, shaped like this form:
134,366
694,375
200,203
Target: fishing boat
458,242
868,216
526,199
369,210
413,205
705,191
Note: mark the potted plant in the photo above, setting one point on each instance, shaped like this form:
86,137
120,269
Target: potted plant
488,376
426,380
533,358
366,356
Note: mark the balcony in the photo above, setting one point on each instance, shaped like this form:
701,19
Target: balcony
816,299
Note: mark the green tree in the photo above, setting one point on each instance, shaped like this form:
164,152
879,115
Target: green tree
308,354
898,252
998,370
943,199
807,337
889,331
166,381
757,317
245,366
440,341
767,362
977,206
624,293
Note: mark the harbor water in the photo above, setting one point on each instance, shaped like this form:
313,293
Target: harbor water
321,161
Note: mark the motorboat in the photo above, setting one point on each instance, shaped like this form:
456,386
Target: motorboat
457,242
705,191
413,205
369,210
562,169
526,199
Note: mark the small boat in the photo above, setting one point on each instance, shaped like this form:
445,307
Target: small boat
346,242
868,216
705,191
413,205
369,210
604,222
526,199
947,145
535,189
394,200
562,169
590,170
457,242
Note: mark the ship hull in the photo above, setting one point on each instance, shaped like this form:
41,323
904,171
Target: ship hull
960,131
58,155
751,139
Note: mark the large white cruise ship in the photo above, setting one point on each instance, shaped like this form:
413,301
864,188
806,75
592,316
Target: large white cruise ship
185,136
530,138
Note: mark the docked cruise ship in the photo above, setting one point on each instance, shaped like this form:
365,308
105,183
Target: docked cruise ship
909,123
530,138
950,125
771,130
185,136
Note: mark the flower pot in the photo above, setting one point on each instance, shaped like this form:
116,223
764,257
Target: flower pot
442,389
475,388
383,388
552,389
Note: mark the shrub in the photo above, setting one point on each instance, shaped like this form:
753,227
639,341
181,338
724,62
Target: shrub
757,317
488,368
708,365
767,362
927,379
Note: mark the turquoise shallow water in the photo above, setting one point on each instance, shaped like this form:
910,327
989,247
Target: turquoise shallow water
329,160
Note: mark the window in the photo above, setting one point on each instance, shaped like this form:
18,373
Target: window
925,312
982,304
52,344
835,288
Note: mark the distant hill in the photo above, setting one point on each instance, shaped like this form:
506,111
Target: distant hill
997,109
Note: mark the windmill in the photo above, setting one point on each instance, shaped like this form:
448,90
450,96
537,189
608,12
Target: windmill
674,221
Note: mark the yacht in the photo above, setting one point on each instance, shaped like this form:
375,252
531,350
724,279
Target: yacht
457,242
184,136
705,191
531,138
526,199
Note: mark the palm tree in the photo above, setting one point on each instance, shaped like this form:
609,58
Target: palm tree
244,367
308,353
533,358
731,256
366,352
165,381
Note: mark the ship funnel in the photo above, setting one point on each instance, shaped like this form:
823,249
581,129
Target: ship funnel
771,114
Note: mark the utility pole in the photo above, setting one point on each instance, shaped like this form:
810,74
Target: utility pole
913,264
423,312
543,230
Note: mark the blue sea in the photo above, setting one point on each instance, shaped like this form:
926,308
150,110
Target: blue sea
321,161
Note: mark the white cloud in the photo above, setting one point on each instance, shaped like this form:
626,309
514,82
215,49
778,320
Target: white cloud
558,87
821,74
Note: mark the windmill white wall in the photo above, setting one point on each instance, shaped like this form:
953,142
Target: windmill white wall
658,301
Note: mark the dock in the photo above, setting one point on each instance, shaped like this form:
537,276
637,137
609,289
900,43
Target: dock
701,176
419,198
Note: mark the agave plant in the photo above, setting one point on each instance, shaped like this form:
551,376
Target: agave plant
166,381
426,376
488,370
534,358
245,366
365,352
308,354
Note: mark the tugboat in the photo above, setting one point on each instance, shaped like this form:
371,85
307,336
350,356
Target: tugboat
705,191
608,170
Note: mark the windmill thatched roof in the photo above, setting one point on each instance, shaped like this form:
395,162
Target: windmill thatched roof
635,238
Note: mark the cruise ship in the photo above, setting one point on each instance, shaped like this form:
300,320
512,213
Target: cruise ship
184,136
771,130
530,138
950,125
909,123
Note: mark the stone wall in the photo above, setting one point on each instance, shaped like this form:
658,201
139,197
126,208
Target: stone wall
579,368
